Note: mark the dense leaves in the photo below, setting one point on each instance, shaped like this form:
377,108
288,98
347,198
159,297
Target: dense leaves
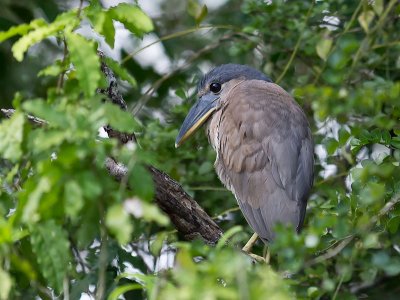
67,228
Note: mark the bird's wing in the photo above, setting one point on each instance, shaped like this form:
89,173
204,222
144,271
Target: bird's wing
266,155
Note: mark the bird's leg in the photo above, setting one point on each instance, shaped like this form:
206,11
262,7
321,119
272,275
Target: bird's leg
267,256
250,243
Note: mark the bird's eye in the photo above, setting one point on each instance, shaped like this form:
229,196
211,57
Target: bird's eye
215,87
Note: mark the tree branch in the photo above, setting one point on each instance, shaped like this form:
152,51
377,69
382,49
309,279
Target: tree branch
189,218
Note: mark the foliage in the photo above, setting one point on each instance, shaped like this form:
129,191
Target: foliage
67,228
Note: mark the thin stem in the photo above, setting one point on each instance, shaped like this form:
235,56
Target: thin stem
338,287
233,209
368,40
101,282
346,241
209,188
147,95
78,14
331,178
66,288
347,28
174,35
60,81
296,47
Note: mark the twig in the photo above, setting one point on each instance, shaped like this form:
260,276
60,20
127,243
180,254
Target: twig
60,81
346,30
335,251
338,287
101,282
78,14
175,35
34,120
296,47
150,91
331,253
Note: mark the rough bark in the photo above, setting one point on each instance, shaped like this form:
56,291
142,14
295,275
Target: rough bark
190,220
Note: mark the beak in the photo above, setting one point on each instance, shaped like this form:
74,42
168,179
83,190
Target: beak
197,115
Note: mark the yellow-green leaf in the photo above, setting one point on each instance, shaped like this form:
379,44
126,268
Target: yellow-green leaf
365,18
86,61
119,119
11,136
102,22
118,222
5,284
50,244
134,19
41,32
21,29
323,47
378,7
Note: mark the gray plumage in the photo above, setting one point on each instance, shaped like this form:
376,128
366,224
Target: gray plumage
264,147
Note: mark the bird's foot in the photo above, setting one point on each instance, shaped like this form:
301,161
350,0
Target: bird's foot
256,257
249,245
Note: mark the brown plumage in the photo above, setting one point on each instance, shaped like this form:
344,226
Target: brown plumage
263,144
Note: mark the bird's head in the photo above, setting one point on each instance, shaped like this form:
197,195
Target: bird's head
214,89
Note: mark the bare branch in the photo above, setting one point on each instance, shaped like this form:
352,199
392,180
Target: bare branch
37,121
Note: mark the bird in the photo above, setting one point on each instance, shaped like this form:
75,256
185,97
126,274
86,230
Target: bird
263,144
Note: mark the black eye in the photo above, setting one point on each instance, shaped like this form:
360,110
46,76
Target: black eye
215,87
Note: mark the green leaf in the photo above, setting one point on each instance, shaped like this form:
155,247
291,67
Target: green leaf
30,214
205,168
133,18
119,223
73,198
365,18
108,30
119,291
156,245
102,22
119,119
373,192
11,137
86,61
393,224
197,11
141,182
120,71
146,211
344,135
21,29
202,14
181,93
50,244
227,235
331,145
323,47
39,108
41,32
378,6
51,70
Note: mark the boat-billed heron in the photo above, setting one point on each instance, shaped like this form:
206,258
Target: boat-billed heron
263,143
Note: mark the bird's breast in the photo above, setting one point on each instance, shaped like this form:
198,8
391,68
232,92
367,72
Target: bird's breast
216,140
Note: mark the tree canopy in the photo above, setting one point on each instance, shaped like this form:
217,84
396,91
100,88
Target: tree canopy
88,215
